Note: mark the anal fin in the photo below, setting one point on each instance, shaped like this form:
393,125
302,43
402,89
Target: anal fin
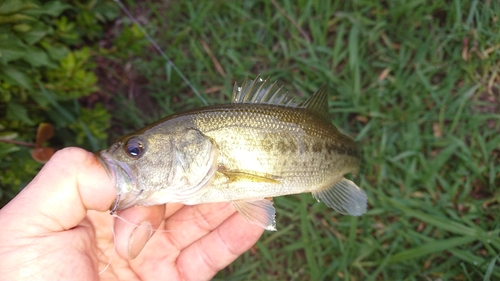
344,197
259,212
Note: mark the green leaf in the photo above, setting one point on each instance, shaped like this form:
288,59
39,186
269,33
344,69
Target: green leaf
65,115
52,8
15,18
37,32
6,148
11,49
22,27
55,8
10,6
37,57
8,135
55,52
18,112
16,77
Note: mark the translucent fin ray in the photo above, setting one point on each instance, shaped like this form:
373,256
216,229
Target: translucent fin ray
261,91
259,212
344,197
318,102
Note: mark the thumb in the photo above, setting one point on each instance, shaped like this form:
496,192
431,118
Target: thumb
72,182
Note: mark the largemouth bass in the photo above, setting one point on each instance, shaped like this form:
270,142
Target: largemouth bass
259,146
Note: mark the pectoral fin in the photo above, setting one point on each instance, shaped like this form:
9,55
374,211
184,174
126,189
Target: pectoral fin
259,212
344,197
234,176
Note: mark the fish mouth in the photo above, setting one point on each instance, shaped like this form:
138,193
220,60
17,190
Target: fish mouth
122,179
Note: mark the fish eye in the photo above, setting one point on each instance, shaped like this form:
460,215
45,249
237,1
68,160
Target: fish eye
134,147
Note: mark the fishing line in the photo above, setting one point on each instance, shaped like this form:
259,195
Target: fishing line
174,67
215,214
112,253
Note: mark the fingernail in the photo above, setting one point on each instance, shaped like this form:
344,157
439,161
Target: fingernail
139,238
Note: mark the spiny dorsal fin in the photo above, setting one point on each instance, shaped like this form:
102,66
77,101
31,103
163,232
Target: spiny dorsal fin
318,102
261,91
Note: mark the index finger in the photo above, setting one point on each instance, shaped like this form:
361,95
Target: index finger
57,199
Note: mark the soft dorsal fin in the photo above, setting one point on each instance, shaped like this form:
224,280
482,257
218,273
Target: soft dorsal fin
318,102
261,91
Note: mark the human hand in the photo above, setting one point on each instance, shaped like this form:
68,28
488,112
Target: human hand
59,228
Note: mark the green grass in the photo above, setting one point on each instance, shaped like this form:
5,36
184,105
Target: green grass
415,82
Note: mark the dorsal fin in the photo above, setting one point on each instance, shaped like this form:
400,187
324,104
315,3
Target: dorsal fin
261,91
318,102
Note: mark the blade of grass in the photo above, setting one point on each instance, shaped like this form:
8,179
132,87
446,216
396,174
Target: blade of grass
167,59
490,268
429,248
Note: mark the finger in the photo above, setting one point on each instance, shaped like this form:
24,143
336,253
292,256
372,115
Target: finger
72,182
204,258
134,227
193,222
172,208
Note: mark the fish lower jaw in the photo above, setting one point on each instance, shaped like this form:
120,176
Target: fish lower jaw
123,180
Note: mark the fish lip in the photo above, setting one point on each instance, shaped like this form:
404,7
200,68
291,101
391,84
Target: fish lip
108,165
122,179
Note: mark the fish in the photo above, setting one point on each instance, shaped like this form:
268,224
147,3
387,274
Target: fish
261,145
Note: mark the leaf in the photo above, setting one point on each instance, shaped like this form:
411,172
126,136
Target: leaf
65,115
55,8
18,112
37,57
6,148
8,135
16,77
15,18
55,52
52,8
10,6
11,48
44,132
42,154
22,27
37,32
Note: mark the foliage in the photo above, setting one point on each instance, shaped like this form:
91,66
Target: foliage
43,72
416,82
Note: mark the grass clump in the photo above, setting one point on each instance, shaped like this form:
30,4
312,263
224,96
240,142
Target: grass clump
416,83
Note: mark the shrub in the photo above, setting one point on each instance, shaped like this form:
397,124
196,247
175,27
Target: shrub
44,70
